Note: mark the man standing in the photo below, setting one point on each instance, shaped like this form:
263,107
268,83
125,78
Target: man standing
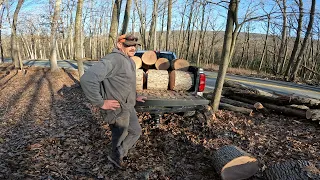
111,85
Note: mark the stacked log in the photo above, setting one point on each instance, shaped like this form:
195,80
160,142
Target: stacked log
181,80
157,79
157,71
137,60
140,79
180,64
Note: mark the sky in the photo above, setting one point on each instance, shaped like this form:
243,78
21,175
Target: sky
37,9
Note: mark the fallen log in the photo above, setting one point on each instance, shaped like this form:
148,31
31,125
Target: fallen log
230,107
237,85
232,163
277,109
293,169
282,100
236,103
313,114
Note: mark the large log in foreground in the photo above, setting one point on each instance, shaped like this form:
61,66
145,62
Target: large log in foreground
313,114
162,64
181,80
149,58
139,79
232,163
180,64
157,79
298,170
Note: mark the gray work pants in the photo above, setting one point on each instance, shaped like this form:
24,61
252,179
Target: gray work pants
126,130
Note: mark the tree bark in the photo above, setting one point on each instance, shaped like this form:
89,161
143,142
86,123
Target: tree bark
157,79
53,37
225,54
292,169
181,80
283,33
126,17
114,25
77,38
309,28
169,24
14,43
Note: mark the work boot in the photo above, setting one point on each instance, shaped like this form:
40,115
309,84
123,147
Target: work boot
115,159
117,162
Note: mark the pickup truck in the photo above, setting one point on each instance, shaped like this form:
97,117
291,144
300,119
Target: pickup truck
186,102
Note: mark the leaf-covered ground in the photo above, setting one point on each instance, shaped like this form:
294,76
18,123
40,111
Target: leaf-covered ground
48,130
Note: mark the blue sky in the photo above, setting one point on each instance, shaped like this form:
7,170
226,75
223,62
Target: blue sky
217,15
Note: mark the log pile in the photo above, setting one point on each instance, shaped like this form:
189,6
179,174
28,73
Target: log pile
239,98
160,74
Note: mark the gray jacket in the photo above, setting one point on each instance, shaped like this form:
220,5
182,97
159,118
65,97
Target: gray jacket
112,78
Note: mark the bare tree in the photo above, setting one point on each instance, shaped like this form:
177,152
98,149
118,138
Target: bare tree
169,24
227,43
2,8
14,42
114,25
126,17
297,40
283,33
152,32
309,28
77,38
53,37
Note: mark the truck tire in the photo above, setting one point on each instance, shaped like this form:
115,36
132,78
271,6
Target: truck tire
189,113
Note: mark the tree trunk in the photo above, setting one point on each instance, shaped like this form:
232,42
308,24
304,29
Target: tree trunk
232,163
152,39
1,19
230,107
169,24
126,17
53,38
77,38
264,51
114,25
309,28
225,54
14,42
283,33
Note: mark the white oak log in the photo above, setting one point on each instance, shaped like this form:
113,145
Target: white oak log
180,64
232,163
292,169
162,64
139,79
157,79
137,60
149,58
181,80
313,114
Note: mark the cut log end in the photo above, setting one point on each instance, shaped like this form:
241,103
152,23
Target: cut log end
180,64
162,64
149,58
240,168
137,60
